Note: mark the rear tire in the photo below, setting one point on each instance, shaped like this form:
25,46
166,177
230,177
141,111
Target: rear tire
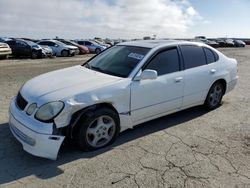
97,129
214,96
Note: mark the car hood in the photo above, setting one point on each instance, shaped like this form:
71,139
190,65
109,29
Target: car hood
71,47
64,83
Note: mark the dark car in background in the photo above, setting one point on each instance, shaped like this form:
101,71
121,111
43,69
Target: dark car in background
239,43
225,42
25,48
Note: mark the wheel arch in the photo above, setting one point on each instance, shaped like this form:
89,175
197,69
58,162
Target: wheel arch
224,83
88,111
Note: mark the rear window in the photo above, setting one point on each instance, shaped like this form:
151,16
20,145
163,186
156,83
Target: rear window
193,56
211,55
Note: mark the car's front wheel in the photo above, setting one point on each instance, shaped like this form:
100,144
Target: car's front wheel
214,96
34,55
98,50
98,129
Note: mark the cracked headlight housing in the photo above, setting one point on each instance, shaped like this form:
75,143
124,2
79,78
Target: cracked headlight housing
49,111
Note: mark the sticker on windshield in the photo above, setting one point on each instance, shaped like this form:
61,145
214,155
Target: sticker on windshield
136,56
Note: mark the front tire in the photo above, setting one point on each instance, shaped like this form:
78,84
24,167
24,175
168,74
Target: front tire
98,50
97,129
34,55
214,96
65,53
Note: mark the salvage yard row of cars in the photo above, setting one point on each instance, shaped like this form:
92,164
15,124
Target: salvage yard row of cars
25,47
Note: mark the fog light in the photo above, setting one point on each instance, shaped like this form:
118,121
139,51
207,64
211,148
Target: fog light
31,109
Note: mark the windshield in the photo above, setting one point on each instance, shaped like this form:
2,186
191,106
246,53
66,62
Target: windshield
30,43
68,42
117,60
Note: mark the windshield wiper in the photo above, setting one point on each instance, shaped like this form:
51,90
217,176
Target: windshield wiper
103,71
87,66
97,69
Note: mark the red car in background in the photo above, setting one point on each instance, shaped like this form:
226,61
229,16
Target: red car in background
82,49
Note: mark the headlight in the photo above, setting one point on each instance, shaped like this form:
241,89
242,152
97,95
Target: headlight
48,111
31,109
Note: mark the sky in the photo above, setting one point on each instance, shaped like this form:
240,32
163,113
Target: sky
127,19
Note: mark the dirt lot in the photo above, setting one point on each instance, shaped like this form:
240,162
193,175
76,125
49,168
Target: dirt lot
193,148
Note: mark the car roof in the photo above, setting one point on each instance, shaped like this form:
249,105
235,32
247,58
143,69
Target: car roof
48,40
156,43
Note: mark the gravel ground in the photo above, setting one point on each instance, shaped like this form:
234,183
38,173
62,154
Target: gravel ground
192,148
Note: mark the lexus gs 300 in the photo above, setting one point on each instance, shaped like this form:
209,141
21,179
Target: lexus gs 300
125,85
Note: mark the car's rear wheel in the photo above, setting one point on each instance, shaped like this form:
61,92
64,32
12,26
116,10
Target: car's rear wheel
214,96
98,129
65,53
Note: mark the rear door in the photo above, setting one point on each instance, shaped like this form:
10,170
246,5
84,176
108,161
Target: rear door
199,74
22,48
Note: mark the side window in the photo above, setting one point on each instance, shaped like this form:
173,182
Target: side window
216,56
11,42
88,43
165,62
21,43
41,43
193,56
51,43
81,43
210,55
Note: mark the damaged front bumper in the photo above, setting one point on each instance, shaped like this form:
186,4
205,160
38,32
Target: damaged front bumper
35,137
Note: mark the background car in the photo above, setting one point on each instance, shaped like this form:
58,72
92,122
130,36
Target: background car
225,42
247,41
208,42
81,49
59,48
239,43
92,46
47,51
25,48
101,42
5,50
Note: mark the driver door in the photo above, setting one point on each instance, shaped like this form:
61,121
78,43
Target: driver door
153,98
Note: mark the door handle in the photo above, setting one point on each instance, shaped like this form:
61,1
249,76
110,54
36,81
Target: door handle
212,71
178,79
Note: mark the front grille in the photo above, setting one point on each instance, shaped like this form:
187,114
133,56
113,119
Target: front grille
21,102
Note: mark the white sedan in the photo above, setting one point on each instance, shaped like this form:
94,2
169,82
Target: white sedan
59,48
125,85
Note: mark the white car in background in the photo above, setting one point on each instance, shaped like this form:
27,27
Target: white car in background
5,50
59,48
128,84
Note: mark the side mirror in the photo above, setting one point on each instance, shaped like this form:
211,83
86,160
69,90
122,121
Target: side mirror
147,74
